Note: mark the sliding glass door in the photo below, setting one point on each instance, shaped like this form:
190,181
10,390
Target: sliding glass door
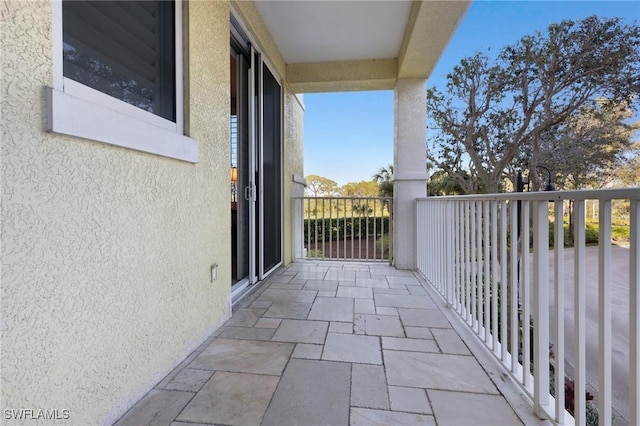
271,194
256,165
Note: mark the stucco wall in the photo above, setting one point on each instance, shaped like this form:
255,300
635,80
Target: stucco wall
106,252
293,160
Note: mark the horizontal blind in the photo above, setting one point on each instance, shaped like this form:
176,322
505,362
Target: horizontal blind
125,49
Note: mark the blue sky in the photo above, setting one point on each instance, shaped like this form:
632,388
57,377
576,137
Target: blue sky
349,136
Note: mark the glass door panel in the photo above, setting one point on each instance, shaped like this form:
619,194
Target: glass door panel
271,184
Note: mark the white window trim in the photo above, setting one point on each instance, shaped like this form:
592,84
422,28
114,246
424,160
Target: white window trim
78,110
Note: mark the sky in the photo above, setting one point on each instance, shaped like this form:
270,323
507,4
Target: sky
349,136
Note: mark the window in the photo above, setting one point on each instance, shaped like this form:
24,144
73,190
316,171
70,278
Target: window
124,49
118,75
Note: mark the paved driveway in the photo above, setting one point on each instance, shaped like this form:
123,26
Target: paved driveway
619,321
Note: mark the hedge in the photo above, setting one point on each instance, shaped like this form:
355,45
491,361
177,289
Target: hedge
338,228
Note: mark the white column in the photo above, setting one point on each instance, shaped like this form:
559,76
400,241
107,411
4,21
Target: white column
409,162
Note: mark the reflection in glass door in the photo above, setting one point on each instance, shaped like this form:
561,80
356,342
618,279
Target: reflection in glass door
239,168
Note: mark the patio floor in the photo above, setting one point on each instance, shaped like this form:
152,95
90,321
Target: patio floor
336,343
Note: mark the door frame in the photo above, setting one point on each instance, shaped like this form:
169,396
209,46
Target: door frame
255,151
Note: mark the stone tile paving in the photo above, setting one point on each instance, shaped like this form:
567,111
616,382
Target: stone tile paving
334,343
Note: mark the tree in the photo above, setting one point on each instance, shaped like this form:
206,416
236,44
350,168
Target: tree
629,173
496,112
586,150
384,179
320,186
360,189
442,183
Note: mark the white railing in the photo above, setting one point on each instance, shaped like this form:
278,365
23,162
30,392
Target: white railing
342,228
489,257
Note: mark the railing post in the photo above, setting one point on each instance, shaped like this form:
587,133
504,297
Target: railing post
604,312
513,315
558,235
486,225
541,306
449,235
634,318
298,228
526,295
579,315
503,282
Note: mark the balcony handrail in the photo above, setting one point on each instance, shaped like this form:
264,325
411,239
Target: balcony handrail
353,228
587,194
339,197
489,258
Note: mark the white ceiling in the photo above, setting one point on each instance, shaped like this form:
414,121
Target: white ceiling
319,31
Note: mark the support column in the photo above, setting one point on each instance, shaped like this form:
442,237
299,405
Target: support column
409,162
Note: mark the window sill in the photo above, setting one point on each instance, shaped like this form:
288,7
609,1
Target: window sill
74,116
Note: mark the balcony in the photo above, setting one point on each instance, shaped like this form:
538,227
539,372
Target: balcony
337,342
361,342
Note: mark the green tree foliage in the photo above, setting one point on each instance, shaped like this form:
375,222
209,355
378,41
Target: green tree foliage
442,183
629,173
320,186
384,179
586,150
496,112
360,189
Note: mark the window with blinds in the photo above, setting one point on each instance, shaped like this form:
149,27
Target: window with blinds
125,49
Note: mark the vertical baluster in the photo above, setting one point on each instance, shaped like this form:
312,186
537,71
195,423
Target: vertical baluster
558,235
467,260
526,293
315,222
375,229
514,286
452,251
458,276
541,306
486,225
338,228
307,202
436,257
604,312
494,275
579,319
344,229
323,233
330,228
360,229
382,238
352,228
634,318
436,237
366,227
443,251
504,303
474,271
479,280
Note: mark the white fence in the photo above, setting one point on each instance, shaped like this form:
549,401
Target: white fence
490,258
342,228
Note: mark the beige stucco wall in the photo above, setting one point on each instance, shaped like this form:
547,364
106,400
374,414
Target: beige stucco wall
106,252
293,163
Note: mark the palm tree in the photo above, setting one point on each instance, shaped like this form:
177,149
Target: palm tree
384,179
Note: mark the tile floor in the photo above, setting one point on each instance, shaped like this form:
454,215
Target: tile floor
330,344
